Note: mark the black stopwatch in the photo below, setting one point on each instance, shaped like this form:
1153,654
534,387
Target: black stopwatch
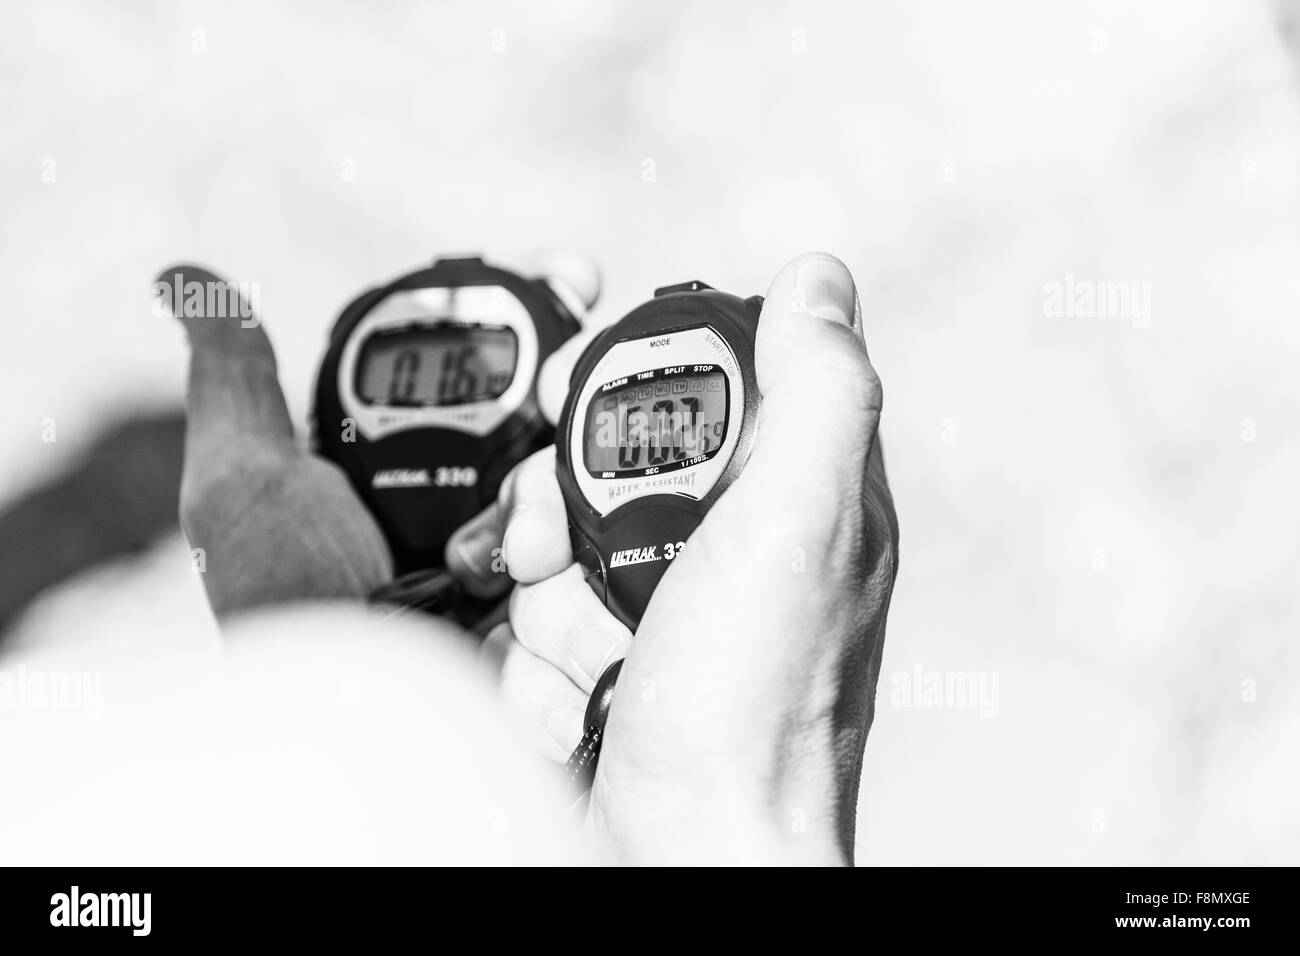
658,423
427,395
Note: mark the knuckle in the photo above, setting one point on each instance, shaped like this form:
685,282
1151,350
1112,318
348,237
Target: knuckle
533,618
528,480
536,475
506,493
851,375
519,679
881,531
495,649
520,601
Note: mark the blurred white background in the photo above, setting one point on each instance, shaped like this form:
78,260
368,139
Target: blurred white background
1098,513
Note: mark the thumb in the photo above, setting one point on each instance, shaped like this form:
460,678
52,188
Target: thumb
821,396
273,522
573,276
553,378
233,382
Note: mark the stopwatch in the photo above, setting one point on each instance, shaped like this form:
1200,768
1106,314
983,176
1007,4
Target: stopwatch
658,423
427,395
659,420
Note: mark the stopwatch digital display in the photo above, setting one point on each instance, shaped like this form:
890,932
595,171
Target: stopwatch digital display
671,418
658,422
443,365
427,395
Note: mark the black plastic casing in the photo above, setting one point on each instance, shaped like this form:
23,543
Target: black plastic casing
655,519
418,521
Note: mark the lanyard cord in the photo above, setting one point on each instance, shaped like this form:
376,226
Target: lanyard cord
580,770
435,592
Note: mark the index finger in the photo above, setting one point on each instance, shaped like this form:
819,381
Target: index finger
523,536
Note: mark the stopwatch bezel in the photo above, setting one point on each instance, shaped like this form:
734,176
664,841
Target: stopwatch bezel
735,321
433,307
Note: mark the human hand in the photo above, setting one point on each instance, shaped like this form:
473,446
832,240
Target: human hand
745,699
274,522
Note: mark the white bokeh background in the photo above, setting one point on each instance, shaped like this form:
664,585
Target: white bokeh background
1082,514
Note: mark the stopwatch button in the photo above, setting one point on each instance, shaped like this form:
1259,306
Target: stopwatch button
695,285
588,556
457,260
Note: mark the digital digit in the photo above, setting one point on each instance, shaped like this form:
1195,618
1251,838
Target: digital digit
689,419
629,450
402,384
661,418
445,393
466,381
